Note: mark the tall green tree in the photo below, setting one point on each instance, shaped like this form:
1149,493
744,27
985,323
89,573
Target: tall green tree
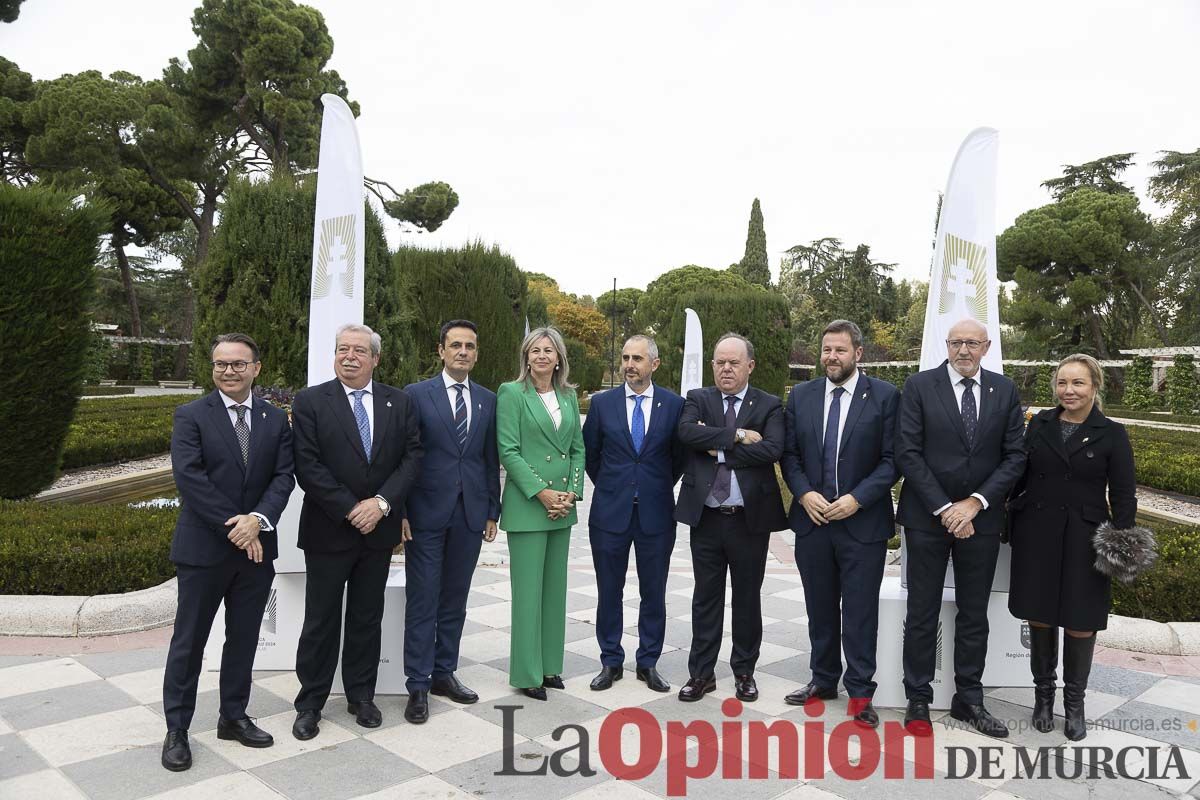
47,249
754,266
1103,175
657,305
1176,185
623,304
10,10
1079,264
16,90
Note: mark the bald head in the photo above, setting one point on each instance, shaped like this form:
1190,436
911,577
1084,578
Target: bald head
966,345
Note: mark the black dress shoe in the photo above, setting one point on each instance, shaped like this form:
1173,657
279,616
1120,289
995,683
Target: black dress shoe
744,688
454,689
306,727
863,713
176,753
536,692
809,692
244,731
978,718
650,677
416,710
916,718
366,713
696,688
606,678
553,682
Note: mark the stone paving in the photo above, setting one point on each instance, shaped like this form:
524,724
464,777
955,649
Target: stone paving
83,718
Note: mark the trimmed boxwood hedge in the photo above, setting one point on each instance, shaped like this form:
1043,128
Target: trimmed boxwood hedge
106,431
83,550
1166,459
103,391
1170,591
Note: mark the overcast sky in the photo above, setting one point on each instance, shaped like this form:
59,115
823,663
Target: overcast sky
601,140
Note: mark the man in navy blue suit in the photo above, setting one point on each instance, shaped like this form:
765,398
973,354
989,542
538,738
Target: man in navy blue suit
231,454
451,510
838,462
634,460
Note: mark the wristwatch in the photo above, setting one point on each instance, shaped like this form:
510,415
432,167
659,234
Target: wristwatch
740,436
384,505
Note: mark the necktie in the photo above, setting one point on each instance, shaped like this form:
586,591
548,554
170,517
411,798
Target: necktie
460,415
364,424
970,413
638,428
829,453
242,429
722,481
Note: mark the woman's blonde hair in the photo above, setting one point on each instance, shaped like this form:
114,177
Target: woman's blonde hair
558,379
1093,368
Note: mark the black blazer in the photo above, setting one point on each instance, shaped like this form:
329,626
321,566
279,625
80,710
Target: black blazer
448,469
215,485
866,465
1064,485
334,472
754,464
932,452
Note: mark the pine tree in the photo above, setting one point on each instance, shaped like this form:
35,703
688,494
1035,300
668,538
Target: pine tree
754,266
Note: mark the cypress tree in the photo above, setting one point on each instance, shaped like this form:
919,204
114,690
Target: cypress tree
1183,395
1138,385
48,249
475,282
762,318
754,266
257,280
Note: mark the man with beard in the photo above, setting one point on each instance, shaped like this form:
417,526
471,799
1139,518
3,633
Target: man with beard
358,447
634,459
959,446
838,463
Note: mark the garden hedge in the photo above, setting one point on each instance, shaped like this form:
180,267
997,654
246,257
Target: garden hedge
1170,591
48,246
83,550
105,431
1166,459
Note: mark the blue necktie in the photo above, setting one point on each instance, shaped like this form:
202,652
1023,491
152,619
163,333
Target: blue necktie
460,415
638,427
364,425
829,454
970,413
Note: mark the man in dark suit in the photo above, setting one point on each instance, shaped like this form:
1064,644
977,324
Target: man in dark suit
838,463
734,435
358,448
959,448
231,454
634,460
451,510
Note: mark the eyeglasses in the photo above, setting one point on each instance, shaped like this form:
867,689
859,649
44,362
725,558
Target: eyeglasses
237,366
957,344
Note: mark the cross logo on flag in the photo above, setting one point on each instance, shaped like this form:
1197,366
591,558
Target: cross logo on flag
964,279
335,257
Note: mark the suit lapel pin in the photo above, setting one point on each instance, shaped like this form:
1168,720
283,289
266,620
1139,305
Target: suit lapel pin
990,389
864,397
264,415
1085,439
658,405
389,403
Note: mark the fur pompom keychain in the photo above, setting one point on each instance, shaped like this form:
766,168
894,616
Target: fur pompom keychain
1124,553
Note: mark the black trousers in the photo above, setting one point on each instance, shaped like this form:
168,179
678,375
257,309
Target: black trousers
841,592
362,574
722,544
974,568
244,586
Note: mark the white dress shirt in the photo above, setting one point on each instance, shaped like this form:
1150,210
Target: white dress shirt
843,410
646,404
956,383
735,491
550,401
368,401
452,393
264,523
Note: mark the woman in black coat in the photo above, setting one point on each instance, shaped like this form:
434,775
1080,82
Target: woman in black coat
1075,455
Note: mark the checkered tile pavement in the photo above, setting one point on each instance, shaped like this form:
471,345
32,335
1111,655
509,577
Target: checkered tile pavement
91,725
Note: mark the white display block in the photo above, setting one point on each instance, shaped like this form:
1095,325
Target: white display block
291,557
280,631
284,617
1000,582
1007,656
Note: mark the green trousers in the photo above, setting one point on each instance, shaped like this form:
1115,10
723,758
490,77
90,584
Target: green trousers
538,572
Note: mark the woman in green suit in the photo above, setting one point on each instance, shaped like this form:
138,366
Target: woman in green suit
541,448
